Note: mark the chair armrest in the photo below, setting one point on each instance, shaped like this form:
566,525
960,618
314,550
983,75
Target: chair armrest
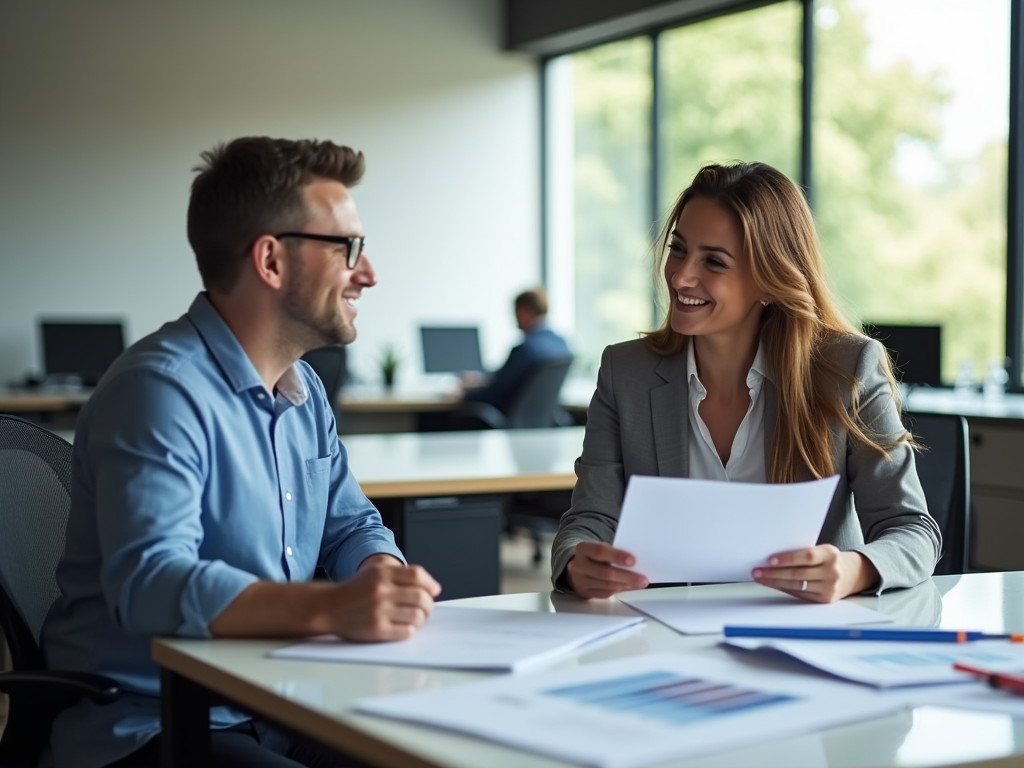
97,688
486,413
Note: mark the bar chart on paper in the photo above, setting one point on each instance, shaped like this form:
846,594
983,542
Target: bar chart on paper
916,659
636,711
668,697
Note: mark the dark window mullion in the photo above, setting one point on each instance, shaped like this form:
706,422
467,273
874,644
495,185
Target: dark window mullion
655,175
806,101
1015,201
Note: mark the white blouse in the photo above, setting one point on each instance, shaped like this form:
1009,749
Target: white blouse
746,459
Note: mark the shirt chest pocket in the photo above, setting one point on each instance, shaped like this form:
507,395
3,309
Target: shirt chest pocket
318,481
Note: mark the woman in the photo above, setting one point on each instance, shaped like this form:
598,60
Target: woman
755,376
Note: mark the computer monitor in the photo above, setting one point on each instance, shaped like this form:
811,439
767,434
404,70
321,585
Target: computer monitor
450,350
916,351
80,350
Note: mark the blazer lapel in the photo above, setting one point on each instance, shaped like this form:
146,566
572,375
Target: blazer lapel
670,415
771,410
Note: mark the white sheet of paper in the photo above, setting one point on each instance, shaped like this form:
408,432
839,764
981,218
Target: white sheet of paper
637,711
979,697
474,638
683,530
892,664
708,616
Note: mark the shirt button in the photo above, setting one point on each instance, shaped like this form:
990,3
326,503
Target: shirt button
288,496
260,396
288,551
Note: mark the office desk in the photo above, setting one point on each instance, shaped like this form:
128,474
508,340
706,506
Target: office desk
41,400
1008,407
372,409
997,484
442,493
317,699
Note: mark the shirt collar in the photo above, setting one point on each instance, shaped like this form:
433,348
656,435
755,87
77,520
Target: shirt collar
231,357
755,375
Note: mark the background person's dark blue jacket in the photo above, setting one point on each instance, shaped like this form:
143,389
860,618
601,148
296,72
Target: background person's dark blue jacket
539,345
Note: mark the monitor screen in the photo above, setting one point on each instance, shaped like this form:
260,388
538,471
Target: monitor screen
450,350
80,349
915,351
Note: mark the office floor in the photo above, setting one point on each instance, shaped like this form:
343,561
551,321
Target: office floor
518,574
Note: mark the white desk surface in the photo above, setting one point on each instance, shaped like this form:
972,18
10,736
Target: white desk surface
922,399
317,698
405,464
443,463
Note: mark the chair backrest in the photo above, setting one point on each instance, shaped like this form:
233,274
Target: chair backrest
329,364
945,472
35,497
536,401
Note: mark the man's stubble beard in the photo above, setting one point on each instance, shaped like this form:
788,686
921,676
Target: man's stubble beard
329,328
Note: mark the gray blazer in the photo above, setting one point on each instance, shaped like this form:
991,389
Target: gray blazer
638,424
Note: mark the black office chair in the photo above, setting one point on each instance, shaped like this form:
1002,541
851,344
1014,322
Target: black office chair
533,406
329,364
945,472
35,495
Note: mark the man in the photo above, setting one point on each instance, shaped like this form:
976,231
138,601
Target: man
540,344
208,480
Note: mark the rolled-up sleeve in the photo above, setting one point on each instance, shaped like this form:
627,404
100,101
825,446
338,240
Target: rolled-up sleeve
150,458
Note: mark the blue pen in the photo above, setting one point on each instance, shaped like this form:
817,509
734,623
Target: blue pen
849,633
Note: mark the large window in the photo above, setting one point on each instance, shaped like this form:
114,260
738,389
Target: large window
906,130
599,220
731,91
910,136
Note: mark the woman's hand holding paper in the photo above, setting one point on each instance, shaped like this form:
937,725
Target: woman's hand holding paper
592,571
821,574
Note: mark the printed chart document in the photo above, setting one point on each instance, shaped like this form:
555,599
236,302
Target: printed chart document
891,664
474,638
703,615
707,530
637,711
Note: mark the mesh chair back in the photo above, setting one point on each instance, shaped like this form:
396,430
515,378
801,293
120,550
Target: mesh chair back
35,496
945,472
534,404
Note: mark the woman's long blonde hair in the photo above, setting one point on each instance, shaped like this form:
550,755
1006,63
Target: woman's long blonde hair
799,324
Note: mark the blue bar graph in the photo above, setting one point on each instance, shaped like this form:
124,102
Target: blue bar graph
669,697
904,659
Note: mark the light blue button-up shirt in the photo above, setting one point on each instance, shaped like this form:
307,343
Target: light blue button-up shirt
190,481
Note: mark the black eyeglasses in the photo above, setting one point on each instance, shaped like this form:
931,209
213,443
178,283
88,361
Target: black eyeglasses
354,242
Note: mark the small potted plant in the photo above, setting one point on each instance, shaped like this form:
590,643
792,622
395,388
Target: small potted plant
388,365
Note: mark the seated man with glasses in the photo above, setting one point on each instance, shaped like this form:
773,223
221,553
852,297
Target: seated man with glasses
208,479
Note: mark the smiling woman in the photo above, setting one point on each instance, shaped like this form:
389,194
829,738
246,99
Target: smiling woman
754,376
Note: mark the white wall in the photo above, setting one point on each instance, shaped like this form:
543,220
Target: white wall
105,106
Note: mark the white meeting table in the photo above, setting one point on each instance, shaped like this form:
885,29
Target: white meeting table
443,493
317,699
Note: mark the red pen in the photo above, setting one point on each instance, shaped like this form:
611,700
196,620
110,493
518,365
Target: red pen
1011,683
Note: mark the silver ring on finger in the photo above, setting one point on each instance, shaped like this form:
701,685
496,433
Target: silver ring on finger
803,585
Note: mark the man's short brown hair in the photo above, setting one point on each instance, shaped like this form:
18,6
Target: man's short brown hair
251,187
535,300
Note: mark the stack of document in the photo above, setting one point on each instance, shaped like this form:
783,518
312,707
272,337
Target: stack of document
475,639
889,664
704,614
637,711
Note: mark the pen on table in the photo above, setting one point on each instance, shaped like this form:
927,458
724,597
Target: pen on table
1012,683
853,633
